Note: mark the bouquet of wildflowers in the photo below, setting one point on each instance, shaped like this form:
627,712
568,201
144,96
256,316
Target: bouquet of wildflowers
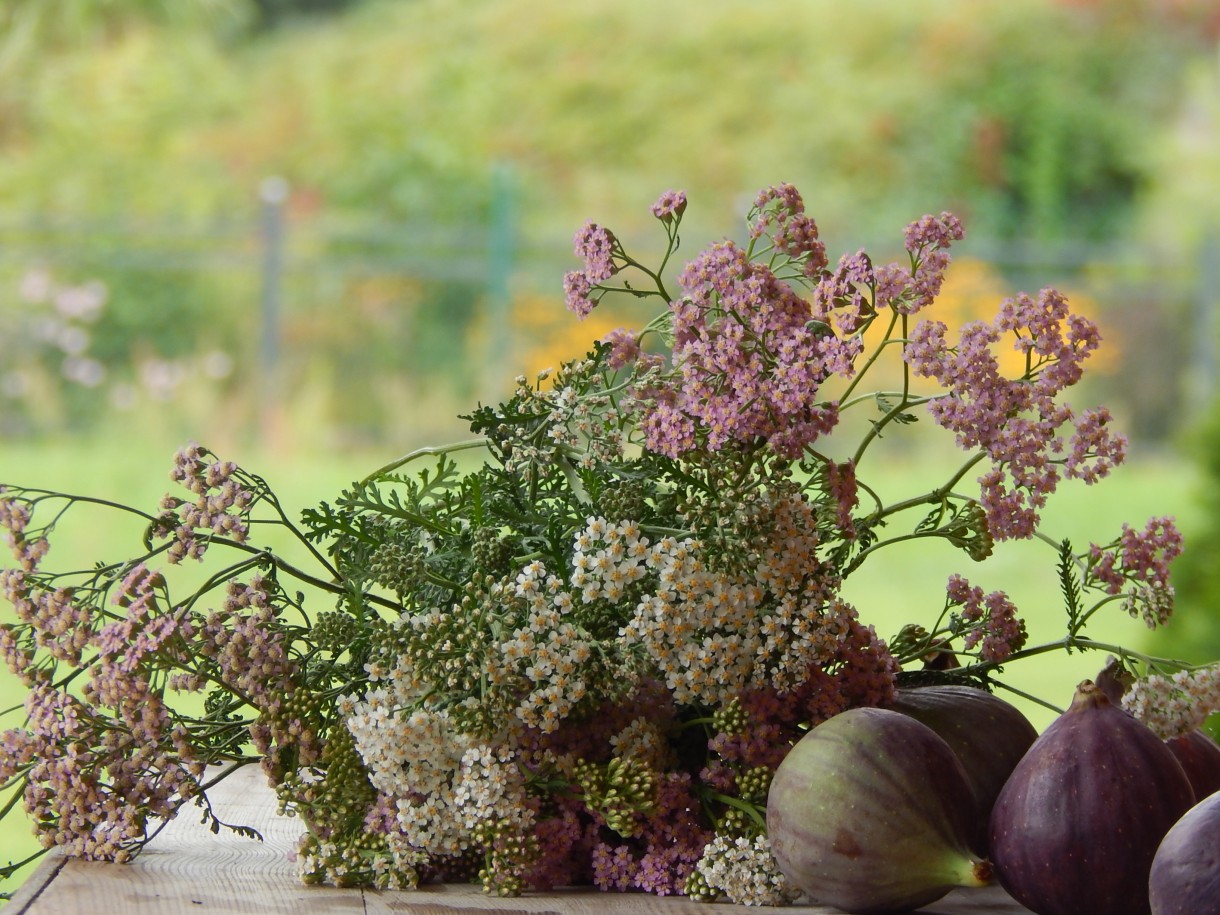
574,648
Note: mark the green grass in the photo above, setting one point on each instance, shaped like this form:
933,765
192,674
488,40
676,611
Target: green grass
906,583
900,585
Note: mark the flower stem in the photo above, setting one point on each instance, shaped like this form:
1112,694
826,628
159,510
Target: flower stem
422,452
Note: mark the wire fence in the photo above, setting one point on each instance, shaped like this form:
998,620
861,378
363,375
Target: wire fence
267,302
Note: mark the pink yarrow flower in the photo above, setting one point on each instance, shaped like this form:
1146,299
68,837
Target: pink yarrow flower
779,212
907,289
624,347
992,621
1018,422
1138,562
669,206
578,294
597,246
749,361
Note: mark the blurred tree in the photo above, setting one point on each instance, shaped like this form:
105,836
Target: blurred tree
1195,631
272,13
30,27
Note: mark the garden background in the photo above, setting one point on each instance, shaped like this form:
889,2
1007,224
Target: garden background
310,233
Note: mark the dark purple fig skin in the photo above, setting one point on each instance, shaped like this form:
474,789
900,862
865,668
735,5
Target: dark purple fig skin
1075,829
989,736
1185,878
870,812
1199,757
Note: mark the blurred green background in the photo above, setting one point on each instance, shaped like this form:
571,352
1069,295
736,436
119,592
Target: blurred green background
309,233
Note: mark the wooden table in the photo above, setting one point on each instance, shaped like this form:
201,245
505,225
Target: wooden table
187,870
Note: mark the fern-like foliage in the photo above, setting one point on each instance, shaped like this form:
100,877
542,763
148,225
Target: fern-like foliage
1069,584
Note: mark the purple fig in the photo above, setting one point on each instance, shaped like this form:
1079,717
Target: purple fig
1185,878
1199,757
988,735
870,812
1076,826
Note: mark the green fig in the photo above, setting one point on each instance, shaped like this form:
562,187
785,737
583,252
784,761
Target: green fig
871,812
988,735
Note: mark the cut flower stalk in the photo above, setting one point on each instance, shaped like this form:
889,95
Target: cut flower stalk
582,660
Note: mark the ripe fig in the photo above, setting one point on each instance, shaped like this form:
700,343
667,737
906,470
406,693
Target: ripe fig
988,735
1074,830
1197,753
1199,757
1185,878
870,812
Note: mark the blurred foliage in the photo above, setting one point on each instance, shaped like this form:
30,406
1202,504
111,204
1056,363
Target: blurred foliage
1032,117
273,13
1195,633
32,29
1178,211
1036,121
1178,214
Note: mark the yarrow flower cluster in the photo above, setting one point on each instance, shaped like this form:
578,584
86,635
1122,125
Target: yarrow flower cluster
908,289
1136,566
990,621
1173,706
750,362
1017,422
218,507
744,871
580,660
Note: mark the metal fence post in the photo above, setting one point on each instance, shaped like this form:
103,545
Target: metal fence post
501,243
273,194
1206,321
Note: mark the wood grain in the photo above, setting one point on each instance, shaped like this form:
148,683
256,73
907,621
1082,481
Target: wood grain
187,870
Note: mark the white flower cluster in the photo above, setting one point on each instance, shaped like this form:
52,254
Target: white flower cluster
1176,705
589,423
713,634
608,558
1151,601
445,784
413,755
745,871
489,790
790,553
700,629
584,424
549,652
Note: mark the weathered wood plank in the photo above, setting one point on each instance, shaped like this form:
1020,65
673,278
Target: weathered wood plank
46,871
454,899
187,870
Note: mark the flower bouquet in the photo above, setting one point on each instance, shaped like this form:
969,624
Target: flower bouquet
573,649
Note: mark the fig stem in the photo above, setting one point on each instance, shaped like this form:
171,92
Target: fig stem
982,872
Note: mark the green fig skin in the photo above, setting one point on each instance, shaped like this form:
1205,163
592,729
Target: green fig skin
989,736
1075,829
1199,757
1185,877
870,812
